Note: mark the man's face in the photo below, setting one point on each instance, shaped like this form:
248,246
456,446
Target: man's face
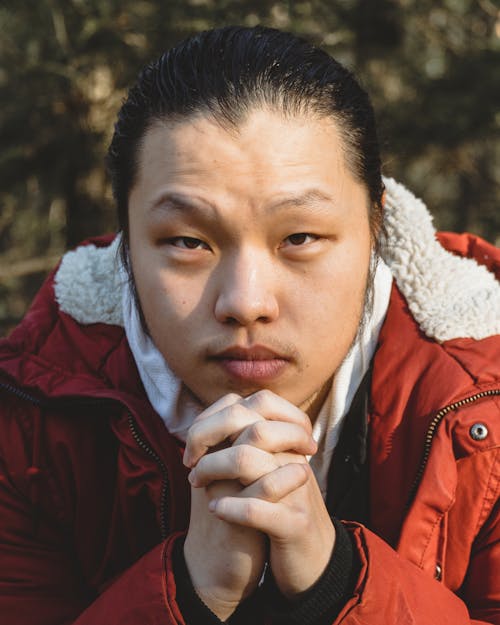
250,251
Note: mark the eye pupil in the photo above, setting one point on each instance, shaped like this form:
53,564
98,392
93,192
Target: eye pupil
297,239
191,243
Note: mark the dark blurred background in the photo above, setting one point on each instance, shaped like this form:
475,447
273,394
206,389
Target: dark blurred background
432,69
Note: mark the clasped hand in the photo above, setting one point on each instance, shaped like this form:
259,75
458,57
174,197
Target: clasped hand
254,499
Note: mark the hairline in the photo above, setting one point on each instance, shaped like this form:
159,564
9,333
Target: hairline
232,126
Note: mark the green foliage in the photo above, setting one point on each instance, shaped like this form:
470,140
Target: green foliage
431,68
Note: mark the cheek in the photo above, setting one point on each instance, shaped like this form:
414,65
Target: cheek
332,306
167,300
332,318
171,321
338,285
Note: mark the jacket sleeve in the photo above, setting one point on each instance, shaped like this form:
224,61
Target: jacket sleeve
40,577
40,582
391,589
143,595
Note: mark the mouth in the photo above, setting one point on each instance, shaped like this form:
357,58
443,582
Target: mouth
251,364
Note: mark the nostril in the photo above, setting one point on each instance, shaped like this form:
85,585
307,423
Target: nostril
244,310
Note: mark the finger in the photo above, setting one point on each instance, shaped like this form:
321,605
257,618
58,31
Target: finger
220,404
219,427
275,408
250,512
277,436
271,517
217,406
243,463
275,485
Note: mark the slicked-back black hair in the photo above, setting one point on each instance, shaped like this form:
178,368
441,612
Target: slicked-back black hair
225,73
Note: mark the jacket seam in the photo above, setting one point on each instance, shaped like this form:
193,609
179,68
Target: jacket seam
436,523
104,361
37,360
491,492
433,529
474,379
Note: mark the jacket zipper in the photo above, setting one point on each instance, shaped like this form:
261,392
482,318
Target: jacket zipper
141,442
21,394
431,431
136,434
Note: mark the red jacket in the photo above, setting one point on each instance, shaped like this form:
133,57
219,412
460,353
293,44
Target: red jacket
93,492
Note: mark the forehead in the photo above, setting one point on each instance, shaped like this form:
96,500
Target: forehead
264,158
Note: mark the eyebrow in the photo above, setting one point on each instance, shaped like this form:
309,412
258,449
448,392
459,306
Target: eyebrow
177,201
311,196
180,202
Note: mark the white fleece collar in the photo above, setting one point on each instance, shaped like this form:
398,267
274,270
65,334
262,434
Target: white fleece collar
450,297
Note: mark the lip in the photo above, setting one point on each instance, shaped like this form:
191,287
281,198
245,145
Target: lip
251,364
255,352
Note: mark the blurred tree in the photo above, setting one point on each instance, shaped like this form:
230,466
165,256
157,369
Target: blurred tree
431,68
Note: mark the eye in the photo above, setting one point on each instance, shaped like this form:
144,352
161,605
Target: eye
188,243
300,238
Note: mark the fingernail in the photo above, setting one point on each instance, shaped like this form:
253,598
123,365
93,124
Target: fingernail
212,505
192,478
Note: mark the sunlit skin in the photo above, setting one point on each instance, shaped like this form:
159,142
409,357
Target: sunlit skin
258,236
250,251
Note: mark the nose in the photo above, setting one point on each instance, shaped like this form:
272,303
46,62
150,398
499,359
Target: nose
246,290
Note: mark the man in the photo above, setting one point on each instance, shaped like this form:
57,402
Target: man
189,410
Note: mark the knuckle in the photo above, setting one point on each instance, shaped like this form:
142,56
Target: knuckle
265,395
305,520
300,436
193,435
257,432
261,399
303,469
301,522
236,413
250,512
300,473
269,489
201,466
305,422
241,457
234,420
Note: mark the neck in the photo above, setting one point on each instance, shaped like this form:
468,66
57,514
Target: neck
313,404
